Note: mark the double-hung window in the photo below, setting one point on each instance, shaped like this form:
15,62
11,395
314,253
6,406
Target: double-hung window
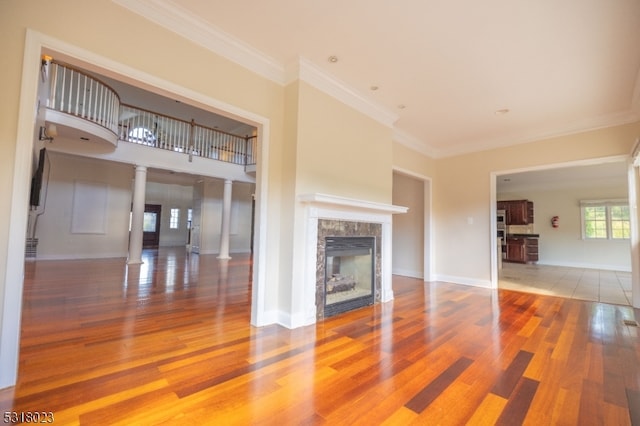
174,218
605,219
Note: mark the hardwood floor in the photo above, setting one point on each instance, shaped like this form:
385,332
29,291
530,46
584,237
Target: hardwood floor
170,342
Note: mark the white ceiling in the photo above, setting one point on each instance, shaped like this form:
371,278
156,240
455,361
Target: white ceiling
557,66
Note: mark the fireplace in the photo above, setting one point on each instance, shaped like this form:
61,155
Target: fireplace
331,219
349,273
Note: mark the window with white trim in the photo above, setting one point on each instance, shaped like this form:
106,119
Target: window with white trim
174,218
605,219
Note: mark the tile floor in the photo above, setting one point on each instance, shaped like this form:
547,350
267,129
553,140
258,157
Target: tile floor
576,283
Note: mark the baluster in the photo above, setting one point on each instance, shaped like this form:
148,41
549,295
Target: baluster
84,96
101,113
90,100
53,82
78,79
64,78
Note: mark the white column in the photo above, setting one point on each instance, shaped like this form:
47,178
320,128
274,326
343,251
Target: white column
137,216
226,221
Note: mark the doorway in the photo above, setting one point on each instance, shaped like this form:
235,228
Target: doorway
151,226
564,254
35,45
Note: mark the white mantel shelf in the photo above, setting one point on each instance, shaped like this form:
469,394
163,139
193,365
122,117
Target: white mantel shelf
333,200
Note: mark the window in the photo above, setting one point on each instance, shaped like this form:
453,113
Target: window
143,136
605,220
149,223
174,218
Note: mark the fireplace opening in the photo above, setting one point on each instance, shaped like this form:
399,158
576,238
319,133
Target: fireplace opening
349,281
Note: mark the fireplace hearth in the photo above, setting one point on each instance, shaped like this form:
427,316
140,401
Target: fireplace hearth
349,281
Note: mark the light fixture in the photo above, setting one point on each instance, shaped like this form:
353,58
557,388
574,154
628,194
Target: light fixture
374,87
48,133
402,106
502,111
333,59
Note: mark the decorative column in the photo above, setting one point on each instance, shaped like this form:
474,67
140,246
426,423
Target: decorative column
137,216
226,221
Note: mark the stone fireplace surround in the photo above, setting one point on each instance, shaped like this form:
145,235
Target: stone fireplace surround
345,216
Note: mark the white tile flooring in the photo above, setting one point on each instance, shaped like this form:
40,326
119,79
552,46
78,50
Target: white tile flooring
575,283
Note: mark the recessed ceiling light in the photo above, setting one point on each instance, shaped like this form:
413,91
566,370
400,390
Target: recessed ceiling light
374,87
502,111
402,106
333,59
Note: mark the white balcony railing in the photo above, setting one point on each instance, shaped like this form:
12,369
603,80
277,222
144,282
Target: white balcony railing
160,131
76,93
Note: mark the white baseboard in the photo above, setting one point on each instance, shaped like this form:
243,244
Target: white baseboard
407,273
463,280
79,256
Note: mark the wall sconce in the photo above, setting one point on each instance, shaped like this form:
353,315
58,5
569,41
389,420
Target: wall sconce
48,133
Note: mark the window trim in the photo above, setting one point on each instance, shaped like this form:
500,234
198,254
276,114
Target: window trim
174,220
608,204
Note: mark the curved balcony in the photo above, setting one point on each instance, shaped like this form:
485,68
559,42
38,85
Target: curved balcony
81,104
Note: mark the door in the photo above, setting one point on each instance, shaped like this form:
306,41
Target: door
151,226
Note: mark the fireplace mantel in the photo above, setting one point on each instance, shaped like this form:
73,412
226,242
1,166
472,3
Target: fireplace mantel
333,200
330,207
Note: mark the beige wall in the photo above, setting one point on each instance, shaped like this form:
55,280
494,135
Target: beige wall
341,151
462,194
411,162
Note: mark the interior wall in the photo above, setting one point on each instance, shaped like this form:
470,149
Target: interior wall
408,228
564,246
341,151
58,237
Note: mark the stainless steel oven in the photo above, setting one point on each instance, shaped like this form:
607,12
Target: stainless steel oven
501,219
501,226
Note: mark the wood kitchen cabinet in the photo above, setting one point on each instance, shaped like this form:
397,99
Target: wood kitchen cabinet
522,250
517,212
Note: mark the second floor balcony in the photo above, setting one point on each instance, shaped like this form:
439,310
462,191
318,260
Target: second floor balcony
77,100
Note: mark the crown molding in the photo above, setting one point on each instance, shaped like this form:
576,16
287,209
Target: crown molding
414,143
193,28
308,72
580,126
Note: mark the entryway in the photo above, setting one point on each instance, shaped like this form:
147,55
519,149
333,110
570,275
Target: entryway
151,226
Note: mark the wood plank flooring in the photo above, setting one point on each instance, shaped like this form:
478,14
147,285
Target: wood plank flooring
169,342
